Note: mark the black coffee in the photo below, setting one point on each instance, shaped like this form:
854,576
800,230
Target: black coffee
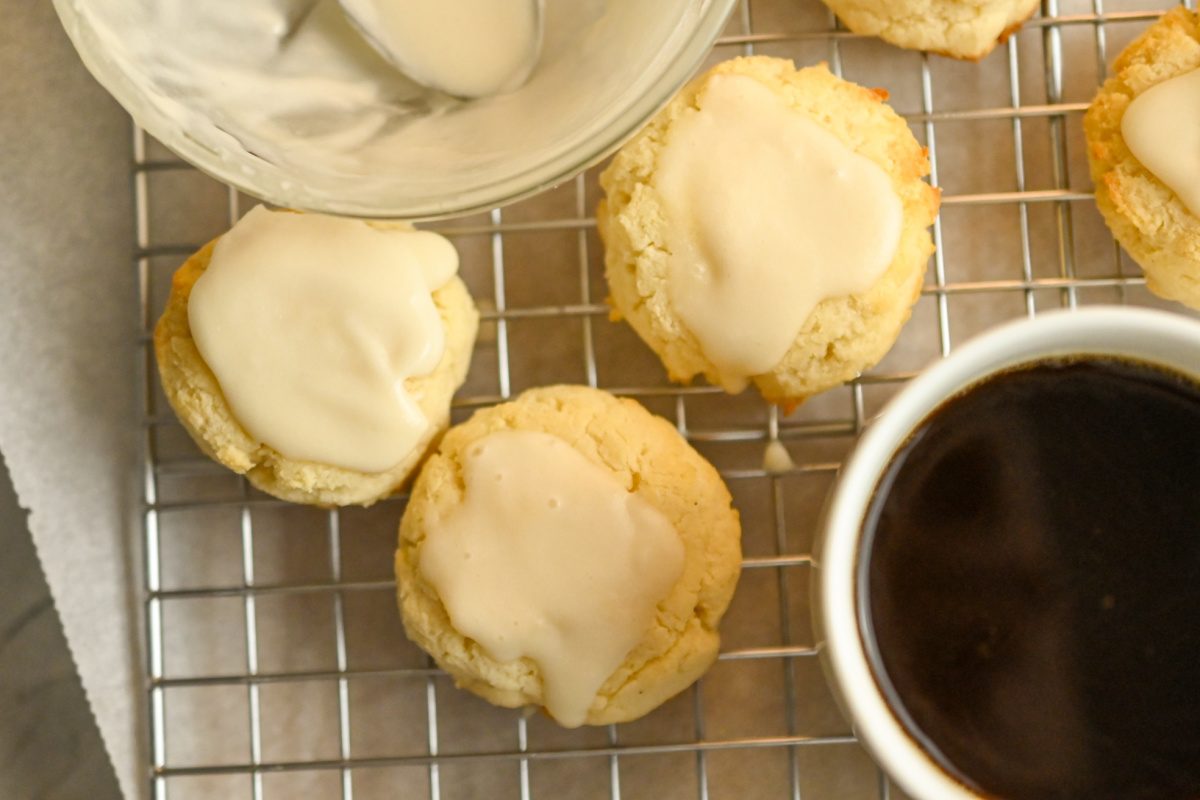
1033,584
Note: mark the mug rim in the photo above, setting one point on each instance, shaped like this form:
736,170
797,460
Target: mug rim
1145,335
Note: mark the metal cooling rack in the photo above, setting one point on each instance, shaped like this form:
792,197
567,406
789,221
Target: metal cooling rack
276,666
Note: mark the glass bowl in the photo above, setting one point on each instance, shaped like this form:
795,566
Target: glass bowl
283,100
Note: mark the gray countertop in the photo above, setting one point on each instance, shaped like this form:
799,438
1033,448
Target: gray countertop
50,747
67,298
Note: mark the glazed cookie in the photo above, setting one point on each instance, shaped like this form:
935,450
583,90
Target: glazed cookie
568,550
315,355
968,29
768,226
1142,140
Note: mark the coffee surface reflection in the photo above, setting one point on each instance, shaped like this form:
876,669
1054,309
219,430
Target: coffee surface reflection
1033,584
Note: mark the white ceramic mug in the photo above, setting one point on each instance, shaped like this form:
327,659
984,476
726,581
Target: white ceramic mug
1153,337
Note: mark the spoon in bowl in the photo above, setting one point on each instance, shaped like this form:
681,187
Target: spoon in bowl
465,48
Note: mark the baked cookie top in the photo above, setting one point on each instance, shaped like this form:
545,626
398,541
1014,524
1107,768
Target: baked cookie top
843,335
1149,220
196,395
967,29
646,458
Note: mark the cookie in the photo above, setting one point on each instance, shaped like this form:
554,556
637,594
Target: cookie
616,523
1152,221
312,433
966,29
807,266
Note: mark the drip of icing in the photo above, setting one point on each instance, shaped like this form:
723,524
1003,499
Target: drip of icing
769,215
312,324
776,458
550,558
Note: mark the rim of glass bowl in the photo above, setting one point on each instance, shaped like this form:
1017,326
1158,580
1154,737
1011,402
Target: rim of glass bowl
604,141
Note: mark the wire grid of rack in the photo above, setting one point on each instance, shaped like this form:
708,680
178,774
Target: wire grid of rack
276,665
